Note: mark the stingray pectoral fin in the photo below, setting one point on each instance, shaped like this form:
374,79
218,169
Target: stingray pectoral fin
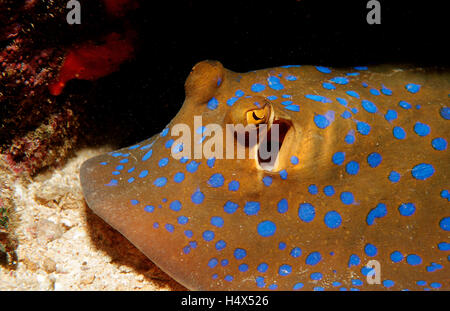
113,202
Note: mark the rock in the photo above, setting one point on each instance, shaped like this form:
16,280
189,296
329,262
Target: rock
47,231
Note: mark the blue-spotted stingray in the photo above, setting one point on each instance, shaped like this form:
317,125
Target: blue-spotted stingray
362,173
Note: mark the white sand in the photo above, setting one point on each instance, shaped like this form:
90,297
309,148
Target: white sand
62,245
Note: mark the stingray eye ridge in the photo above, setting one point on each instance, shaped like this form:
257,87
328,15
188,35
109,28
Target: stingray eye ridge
256,116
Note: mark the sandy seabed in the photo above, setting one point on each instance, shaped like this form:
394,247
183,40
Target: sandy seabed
62,245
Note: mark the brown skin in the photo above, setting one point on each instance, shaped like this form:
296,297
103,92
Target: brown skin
416,234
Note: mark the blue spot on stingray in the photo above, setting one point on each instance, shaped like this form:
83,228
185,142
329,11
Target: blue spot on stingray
347,198
131,169
386,91
216,180
274,83
434,267
143,174
313,189
296,252
230,207
210,162
281,246
192,166
445,223
328,86
333,219
422,171
188,233
224,262
160,182
369,106
318,98
323,69
421,283
444,246
338,158
130,180
306,212
212,263
413,88
370,250
388,283
404,105
352,168
197,197
208,235
297,286
134,202
378,212
239,93
342,101
357,282
112,182
329,191
272,97
294,160
353,94
266,228
435,285
123,161
445,113
439,144
374,92
291,78
390,115
149,208
183,160
374,159
267,181
213,103
346,114
354,260
169,143
262,267
286,102
175,206
240,253
282,206
284,270
421,129
217,221
179,177
116,173
316,276
394,176
350,137
363,128
257,87
313,258
243,267
220,245
407,209
231,101
147,155
251,208
283,174
445,194
399,132
169,227
233,185
413,259
360,68
396,256
182,220
340,80
321,121
293,107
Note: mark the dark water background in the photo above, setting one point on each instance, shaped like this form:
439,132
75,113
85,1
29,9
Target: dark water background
146,93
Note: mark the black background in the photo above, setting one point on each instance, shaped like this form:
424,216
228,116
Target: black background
140,99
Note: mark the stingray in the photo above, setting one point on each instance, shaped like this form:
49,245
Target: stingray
354,194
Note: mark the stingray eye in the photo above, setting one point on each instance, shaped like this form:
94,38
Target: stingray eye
257,116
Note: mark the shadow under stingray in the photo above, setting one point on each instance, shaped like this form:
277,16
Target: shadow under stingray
122,252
